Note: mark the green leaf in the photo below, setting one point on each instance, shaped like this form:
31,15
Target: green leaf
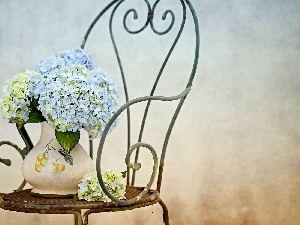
67,156
35,103
67,139
35,116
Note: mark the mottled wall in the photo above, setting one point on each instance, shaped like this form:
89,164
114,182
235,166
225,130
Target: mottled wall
233,157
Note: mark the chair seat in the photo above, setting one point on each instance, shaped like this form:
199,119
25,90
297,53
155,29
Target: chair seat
23,201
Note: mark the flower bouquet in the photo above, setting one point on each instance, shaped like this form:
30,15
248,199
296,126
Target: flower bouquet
66,92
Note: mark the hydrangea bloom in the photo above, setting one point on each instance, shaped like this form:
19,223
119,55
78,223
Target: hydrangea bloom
73,97
64,59
68,91
90,189
115,183
17,94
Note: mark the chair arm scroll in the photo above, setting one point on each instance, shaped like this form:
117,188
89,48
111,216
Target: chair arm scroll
8,161
5,161
135,166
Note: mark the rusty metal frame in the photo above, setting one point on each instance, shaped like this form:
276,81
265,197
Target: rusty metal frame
130,204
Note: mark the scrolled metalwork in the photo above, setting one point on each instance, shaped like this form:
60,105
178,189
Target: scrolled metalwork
135,16
133,11
136,167
150,18
28,143
8,161
137,145
19,150
164,16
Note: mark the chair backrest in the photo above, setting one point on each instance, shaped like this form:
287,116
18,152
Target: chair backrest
112,8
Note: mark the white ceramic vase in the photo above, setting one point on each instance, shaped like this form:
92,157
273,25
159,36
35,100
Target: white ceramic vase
46,170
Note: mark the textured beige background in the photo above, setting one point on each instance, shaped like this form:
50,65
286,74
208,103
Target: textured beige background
234,154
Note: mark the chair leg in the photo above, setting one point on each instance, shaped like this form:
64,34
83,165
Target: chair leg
165,212
86,215
78,218
75,220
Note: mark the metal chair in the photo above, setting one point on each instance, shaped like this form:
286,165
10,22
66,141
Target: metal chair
136,197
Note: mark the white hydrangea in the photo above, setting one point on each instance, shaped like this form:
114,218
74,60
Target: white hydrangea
17,94
89,188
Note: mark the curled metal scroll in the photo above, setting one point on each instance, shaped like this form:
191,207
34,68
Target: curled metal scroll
164,16
22,131
8,161
136,16
14,146
135,167
137,145
133,11
149,19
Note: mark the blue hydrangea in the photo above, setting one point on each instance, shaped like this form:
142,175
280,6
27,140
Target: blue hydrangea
64,59
72,93
74,97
